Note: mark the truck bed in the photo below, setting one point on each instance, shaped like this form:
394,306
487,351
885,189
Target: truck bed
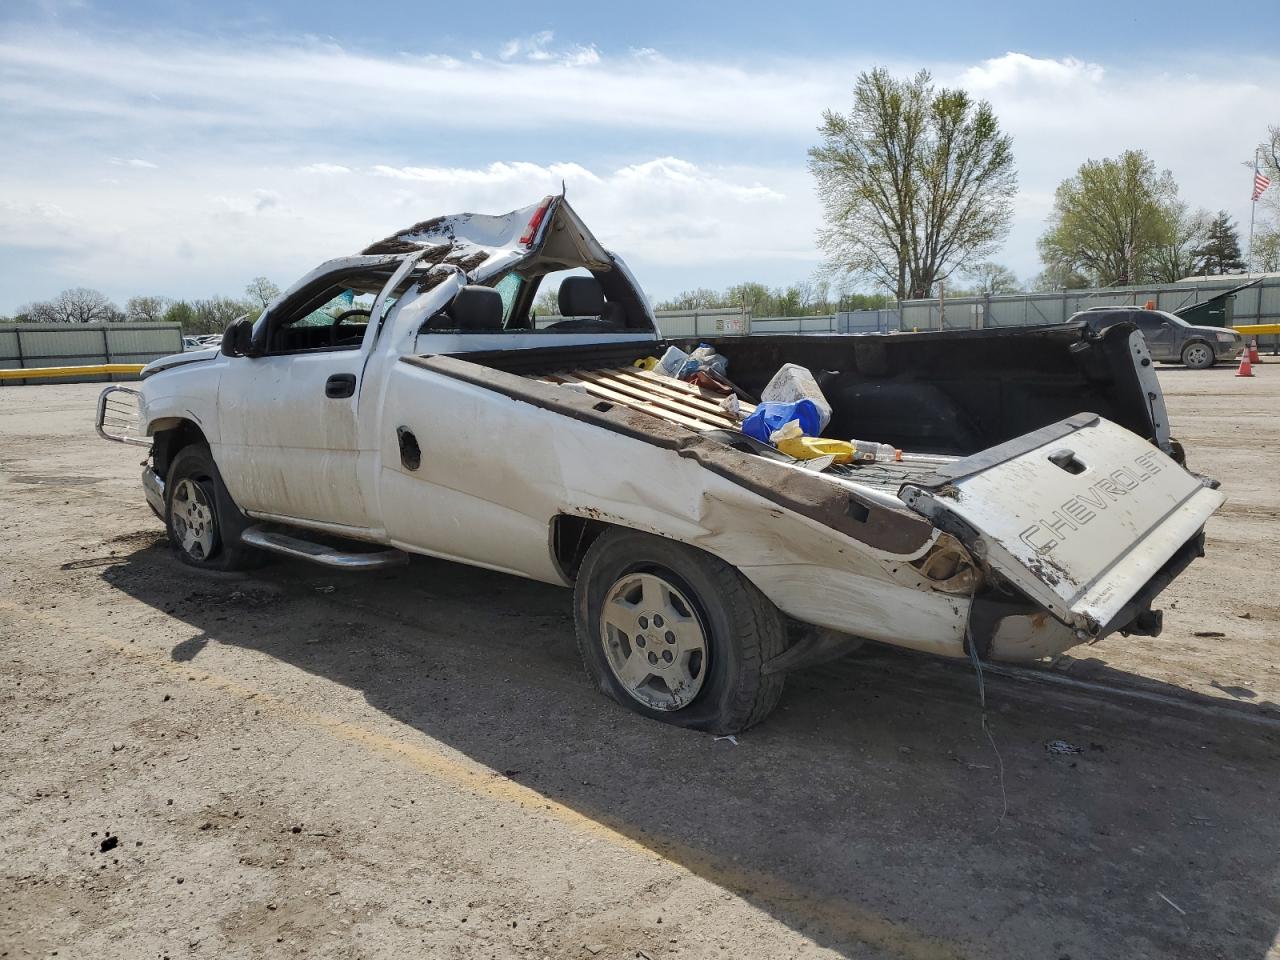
697,408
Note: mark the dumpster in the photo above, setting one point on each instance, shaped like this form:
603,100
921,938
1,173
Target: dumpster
1215,312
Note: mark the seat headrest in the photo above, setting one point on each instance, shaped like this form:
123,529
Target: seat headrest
580,297
477,308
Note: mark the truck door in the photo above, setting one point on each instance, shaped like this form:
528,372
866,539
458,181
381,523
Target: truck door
289,442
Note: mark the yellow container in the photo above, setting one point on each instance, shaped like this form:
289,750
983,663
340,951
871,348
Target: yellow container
810,448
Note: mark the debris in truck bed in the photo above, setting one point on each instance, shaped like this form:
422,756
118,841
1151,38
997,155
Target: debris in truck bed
650,392
770,417
793,382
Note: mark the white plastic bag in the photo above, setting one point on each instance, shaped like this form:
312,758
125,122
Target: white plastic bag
793,382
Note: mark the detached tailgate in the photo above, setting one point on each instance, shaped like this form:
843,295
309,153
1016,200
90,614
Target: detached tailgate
1080,515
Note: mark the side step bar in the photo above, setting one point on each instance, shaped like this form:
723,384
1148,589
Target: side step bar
326,556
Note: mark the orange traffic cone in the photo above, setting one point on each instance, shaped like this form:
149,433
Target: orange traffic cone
1246,368
1253,351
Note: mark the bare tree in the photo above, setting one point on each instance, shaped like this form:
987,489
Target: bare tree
991,278
1266,251
1266,243
548,302
261,292
75,305
213,315
146,309
1182,253
915,182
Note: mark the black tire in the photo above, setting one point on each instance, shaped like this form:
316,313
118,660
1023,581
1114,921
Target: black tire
1198,355
194,472
742,629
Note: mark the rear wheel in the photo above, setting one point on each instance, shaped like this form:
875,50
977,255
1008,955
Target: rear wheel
1198,356
676,634
203,521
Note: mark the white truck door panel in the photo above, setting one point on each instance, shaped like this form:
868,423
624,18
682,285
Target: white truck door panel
286,448
487,483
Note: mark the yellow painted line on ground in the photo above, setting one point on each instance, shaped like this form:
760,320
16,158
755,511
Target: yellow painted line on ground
88,370
1258,329
835,916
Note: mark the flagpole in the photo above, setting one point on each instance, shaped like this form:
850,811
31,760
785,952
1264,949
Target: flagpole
1253,207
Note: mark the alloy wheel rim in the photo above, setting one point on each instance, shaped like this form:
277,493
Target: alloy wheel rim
654,641
1198,354
193,521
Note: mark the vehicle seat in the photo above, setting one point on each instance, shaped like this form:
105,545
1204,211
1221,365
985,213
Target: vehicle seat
581,301
474,309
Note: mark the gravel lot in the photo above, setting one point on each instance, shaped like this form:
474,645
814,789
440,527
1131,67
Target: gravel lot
303,763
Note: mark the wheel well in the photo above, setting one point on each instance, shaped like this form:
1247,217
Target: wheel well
571,537
168,442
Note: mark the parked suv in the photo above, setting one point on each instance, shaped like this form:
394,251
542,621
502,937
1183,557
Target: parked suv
1170,338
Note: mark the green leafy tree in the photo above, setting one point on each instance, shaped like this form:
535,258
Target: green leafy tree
915,182
700,299
1110,219
179,311
757,298
1219,251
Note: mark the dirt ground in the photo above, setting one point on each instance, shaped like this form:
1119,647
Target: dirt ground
302,763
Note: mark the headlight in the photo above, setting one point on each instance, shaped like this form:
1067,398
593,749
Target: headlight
1226,337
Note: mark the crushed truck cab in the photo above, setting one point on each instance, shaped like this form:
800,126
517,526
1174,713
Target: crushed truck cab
408,400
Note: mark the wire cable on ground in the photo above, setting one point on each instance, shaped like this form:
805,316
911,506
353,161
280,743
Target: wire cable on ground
982,704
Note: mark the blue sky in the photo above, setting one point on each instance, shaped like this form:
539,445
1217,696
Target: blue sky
181,148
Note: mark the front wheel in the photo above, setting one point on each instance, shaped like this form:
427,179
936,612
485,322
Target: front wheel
676,634
203,522
1198,356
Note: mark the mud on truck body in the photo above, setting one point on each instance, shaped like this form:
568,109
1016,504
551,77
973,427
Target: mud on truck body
408,401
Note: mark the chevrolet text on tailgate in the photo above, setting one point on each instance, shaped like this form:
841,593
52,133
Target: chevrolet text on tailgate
726,511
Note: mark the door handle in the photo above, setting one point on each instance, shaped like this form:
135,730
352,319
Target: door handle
340,385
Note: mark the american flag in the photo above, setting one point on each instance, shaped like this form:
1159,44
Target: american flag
1260,184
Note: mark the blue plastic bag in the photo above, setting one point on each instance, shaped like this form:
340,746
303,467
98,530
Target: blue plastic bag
770,416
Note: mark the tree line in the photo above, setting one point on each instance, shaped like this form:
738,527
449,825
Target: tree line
917,186
211,315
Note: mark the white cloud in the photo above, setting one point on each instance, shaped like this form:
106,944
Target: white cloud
1024,72
147,88
136,162
660,213
537,49
692,168
494,173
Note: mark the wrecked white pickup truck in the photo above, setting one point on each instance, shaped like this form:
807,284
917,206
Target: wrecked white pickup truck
406,401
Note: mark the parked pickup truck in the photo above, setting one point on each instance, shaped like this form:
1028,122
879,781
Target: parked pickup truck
408,401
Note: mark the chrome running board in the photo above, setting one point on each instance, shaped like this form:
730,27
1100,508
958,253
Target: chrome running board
327,556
